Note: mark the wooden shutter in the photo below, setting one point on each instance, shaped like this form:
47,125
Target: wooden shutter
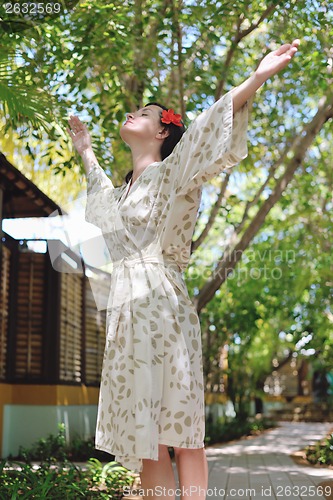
4,306
95,330
30,315
70,364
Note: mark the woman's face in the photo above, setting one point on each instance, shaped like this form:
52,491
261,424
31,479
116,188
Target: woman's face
144,124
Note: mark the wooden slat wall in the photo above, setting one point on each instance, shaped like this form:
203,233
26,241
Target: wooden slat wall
70,364
95,334
32,324
4,306
30,316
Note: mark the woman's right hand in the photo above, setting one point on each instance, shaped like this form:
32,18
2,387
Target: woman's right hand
79,134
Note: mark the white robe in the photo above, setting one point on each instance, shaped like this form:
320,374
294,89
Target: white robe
152,382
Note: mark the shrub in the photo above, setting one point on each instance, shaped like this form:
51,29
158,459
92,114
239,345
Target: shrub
19,480
49,449
226,430
26,481
54,448
112,476
57,477
321,453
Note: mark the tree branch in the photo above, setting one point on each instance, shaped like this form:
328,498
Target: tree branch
179,37
239,35
261,189
253,26
224,183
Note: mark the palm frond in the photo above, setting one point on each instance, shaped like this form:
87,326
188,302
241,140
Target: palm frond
21,101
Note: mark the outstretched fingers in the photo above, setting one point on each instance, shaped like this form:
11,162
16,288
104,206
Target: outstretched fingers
282,49
70,133
294,47
75,124
288,48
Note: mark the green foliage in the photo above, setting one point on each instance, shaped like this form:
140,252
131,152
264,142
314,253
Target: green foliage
19,480
101,59
321,453
54,475
277,303
21,101
80,449
55,449
51,449
224,430
111,476
25,481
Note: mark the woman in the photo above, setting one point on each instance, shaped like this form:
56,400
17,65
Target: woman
152,393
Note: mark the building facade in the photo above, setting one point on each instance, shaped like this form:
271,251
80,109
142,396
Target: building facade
51,333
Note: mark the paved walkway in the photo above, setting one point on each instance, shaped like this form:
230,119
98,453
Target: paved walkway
261,469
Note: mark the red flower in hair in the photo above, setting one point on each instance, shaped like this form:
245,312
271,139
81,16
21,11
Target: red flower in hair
170,117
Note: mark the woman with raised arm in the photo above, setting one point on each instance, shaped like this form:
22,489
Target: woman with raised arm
152,392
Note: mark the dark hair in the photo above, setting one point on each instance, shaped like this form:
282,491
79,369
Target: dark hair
169,143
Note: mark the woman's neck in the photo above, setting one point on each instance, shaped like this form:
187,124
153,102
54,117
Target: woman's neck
141,161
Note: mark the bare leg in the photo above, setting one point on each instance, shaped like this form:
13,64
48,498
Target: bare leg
193,473
157,476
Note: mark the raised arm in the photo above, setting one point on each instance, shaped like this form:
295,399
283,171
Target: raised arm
82,142
271,64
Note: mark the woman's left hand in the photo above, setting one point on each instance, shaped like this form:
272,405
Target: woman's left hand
277,60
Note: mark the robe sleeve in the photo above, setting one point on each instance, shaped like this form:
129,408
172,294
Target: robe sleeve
99,192
214,142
